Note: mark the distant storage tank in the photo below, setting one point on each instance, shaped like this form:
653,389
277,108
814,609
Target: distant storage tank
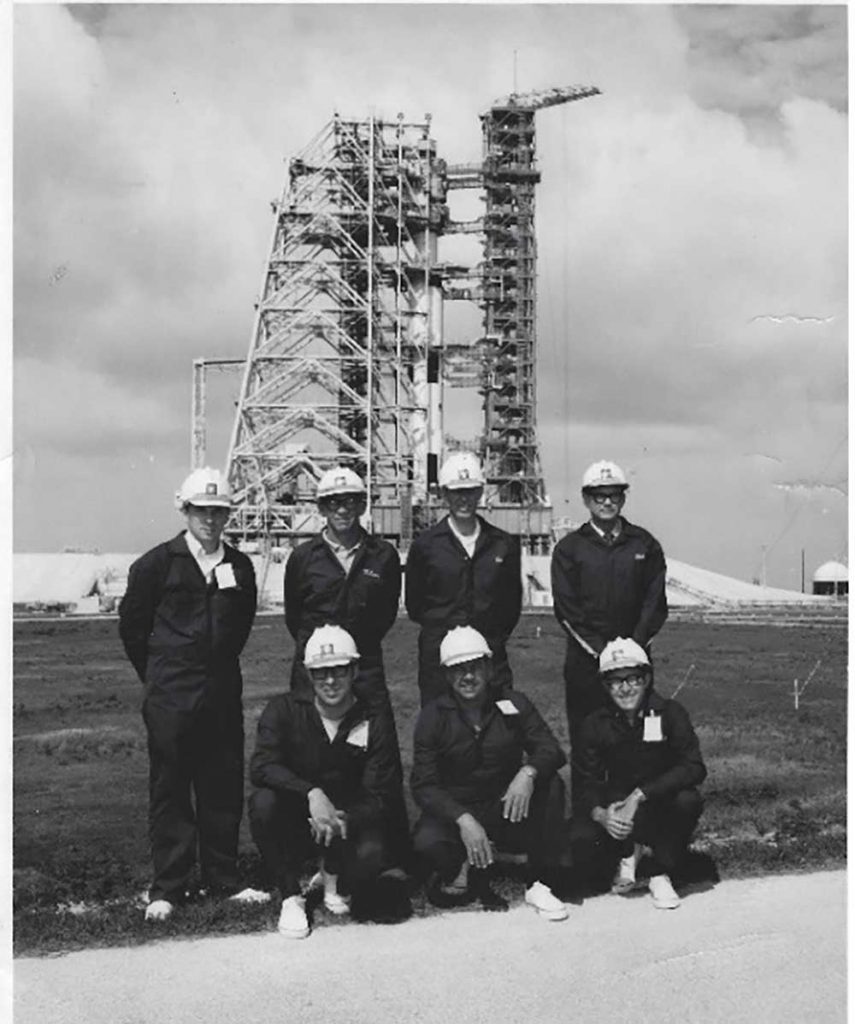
832,580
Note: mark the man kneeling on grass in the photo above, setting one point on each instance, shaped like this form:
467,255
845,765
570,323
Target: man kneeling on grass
484,772
326,770
640,764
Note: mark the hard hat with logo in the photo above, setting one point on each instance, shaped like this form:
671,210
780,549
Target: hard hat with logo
204,487
461,469
622,653
463,643
329,646
339,480
604,474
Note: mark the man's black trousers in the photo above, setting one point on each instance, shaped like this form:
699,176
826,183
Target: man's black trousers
195,797
280,827
540,835
665,825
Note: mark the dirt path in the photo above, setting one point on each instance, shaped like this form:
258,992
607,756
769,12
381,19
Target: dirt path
760,950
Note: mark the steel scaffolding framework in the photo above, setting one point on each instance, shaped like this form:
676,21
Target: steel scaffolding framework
343,361
347,362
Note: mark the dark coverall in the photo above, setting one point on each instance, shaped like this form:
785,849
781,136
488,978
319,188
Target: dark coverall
446,588
184,635
363,601
601,591
612,759
455,771
293,755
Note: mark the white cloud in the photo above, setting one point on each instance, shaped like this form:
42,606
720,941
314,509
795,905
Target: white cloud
677,240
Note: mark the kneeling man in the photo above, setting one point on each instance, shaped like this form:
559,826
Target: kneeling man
640,763
326,771
484,773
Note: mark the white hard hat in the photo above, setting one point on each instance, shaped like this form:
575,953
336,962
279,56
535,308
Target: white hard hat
622,653
604,474
204,486
462,469
463,643
339,480
329,646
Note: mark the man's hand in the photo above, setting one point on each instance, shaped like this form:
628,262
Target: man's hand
479,852
517,797
613,820
325,820
626,809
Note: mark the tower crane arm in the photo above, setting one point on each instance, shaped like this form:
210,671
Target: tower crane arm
541,98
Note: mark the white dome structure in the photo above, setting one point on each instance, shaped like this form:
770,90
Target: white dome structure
831,578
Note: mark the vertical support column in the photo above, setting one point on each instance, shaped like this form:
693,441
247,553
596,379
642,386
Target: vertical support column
198,447
369,326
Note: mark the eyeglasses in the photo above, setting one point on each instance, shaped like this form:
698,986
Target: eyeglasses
615,497
205,511
630,682
348,501
464,668
338,672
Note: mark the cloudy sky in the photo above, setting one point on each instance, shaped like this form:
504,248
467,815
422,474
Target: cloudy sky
692,240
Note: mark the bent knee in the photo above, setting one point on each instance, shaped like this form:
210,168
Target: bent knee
689,802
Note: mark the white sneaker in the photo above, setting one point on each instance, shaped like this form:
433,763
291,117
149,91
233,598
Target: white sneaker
664,897
158,910
335,903
624,880
293,922
250,895
545,902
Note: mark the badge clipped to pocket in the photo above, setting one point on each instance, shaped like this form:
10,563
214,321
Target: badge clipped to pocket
653,728
507,707
358,736
224,574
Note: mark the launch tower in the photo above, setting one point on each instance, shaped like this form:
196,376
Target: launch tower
347,363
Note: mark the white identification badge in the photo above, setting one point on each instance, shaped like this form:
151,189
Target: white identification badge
653,729
507,707
358,736
224,574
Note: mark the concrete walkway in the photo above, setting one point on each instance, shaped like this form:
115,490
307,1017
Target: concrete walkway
762,951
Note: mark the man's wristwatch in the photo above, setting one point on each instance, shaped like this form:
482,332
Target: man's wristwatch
529,770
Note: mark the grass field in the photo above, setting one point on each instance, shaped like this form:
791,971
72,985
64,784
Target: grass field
775,796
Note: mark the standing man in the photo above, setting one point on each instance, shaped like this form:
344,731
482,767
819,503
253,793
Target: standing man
463,572
327,776
184,621
344,577
608,580
640,765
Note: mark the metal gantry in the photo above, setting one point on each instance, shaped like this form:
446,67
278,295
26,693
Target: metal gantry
346,362
506,353
343,363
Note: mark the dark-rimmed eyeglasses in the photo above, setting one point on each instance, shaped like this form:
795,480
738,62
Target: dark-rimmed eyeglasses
348,501
601,497
630,682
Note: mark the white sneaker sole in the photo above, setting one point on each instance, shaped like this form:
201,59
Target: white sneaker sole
666,904
339,909
289,933
550,915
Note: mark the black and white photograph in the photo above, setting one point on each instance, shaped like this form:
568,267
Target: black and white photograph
429,431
